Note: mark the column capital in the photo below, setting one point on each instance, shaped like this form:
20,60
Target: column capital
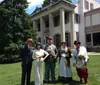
62,8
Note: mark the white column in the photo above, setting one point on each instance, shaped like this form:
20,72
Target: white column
42,30
62,24
82,34
34,24
51,25
73,32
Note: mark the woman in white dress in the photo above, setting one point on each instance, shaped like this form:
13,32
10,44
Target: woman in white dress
65,73
39,55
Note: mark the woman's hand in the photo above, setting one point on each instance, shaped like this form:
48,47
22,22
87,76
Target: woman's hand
42,59
74,65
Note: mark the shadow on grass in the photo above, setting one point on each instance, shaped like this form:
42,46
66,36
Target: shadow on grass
73,82
11,61
32,83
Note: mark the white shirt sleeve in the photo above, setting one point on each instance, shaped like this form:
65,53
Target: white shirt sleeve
86,56
83,52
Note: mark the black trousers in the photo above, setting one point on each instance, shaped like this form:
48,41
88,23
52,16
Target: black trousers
26,73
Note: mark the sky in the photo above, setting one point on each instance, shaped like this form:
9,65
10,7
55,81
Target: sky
36,3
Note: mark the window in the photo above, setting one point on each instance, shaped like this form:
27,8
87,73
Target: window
38,26
91,6
56,20
96,39
66,17
47,23
57,40
86,5
77,18
88,37
67,39
39,39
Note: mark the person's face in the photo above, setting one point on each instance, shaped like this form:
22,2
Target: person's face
49,41
38,46
63,45
77,45
30,43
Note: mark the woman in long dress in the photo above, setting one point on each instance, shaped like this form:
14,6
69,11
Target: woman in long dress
39,55
65,73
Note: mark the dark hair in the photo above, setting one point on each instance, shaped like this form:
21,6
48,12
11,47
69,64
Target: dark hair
37,45
77,42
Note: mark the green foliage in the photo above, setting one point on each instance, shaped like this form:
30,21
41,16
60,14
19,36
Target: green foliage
47,2
15,27
69,0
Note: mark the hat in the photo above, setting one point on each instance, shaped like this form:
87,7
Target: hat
63,43
49,38
77,42
29,40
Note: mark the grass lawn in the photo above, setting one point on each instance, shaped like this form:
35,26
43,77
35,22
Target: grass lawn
10,74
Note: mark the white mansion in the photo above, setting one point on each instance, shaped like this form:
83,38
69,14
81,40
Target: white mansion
64,21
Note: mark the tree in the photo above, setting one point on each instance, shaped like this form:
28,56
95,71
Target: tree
14,27
47,2
70,1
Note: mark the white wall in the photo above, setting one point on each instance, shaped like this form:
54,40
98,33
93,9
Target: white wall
76,8
96,19
87,21
94,2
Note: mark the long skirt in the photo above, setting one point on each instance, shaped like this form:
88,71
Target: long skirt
83,73
64,70
38,72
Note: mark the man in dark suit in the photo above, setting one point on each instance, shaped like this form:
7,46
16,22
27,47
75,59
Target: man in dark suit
26,55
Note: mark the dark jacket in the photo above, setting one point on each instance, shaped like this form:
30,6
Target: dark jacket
26,55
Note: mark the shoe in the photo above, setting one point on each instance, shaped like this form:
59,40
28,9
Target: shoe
46,81
53,81
80,80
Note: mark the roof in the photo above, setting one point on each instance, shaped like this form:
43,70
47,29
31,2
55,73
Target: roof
92,11
53,4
